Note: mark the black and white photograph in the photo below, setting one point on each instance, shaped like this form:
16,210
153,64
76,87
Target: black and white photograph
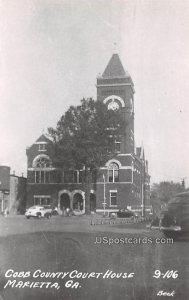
94,173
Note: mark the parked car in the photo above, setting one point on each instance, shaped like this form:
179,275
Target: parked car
174,220
38,212
155,223
125,214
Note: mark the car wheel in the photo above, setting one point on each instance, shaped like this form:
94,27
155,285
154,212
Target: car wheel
55,213
38,215
47,215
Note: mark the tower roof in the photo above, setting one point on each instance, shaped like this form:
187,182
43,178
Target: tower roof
114,68
140,152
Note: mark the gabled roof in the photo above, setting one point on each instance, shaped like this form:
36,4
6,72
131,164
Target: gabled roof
114,68
43,139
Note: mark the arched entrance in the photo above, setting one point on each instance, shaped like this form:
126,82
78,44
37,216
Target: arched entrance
64,201
78,201
92,202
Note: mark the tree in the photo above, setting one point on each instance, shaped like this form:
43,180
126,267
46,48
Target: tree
84,138
162,192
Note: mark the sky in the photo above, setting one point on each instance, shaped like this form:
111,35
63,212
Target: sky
51,52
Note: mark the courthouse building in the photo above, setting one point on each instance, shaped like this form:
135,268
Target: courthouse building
123,181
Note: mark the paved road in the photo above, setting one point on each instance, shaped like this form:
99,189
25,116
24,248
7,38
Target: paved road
68,244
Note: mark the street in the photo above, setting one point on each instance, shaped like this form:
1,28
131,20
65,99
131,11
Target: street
67,258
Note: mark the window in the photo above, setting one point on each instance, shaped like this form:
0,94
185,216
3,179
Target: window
72,176
43,162
117,146
58,176
80,176
42,200
47,177
42,177
42,147
68,177
113,172
37,177
42,174
110,146
75,176
37,201
113,198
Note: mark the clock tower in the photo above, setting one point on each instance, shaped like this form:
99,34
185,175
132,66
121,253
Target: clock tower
115,88
122,182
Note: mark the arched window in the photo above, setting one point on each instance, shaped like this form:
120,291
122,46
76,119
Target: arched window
41,164
113,172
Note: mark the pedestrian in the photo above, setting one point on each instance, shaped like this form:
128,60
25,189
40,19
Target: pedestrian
67,211
6,212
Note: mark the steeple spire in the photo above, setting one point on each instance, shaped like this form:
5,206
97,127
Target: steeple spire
114,68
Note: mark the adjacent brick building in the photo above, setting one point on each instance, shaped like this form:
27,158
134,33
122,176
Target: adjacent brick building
18,194
124,180
4,187
12,191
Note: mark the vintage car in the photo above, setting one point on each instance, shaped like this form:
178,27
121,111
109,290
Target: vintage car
38,211
174,220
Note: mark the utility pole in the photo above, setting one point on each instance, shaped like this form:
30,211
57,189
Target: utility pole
104,200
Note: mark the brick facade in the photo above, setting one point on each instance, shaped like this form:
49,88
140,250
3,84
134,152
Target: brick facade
122,182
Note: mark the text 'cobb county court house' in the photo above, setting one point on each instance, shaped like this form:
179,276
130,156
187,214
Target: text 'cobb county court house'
123,181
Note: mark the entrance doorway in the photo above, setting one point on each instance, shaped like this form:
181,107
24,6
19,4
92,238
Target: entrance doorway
78,201
64,201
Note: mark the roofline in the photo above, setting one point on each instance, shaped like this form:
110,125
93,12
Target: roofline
117,84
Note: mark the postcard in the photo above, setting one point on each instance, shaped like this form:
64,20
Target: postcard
94,197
